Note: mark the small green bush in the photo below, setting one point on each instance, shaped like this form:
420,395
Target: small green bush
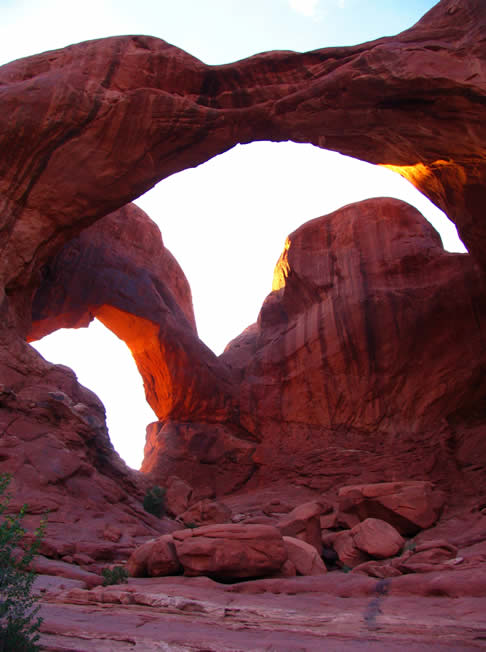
154,501
19,623
115,575
191,525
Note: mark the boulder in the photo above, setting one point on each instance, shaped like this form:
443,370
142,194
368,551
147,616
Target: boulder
303,523
425,557
328,521
230,551
287,570
155,558
206,512
162,558
304,557
137,562
348,553
380,569
370,539
376,538
178,494
408,506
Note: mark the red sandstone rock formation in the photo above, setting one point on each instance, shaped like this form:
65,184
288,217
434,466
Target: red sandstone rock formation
65,169
377,538
119,271
344,614
56,446
303,523
230,551
206,512
369,349
381,101
155,558
330,381
409,506
304,557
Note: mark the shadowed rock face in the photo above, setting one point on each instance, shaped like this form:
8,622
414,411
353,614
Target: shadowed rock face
119,271
366,349
371,346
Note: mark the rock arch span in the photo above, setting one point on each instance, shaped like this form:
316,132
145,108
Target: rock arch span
74,153
408,101
119,271
364,300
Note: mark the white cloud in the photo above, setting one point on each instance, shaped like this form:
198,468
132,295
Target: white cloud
304,7
341,4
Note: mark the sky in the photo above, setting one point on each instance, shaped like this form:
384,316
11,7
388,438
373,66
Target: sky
238,207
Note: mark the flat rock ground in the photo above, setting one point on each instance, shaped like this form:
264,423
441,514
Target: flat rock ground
288,615
440,610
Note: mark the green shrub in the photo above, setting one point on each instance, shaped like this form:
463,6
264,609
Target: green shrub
154,501
191,525
19,623
115,575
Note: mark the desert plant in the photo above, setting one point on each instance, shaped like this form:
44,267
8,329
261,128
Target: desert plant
154,501
114,575
19,623
191,525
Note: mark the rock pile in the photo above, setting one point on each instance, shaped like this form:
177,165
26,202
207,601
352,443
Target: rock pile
297,544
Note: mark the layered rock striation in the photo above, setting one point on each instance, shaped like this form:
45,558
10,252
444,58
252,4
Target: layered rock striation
349,370
370,344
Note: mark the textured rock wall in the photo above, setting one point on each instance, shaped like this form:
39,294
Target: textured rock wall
119,271
369,347
73,153
370,344
372,338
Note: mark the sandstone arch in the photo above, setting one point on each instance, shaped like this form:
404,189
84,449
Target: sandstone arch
119,271
365,300
73,153
408,101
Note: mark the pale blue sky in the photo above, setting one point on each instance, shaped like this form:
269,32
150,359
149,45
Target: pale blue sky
216,31
239,207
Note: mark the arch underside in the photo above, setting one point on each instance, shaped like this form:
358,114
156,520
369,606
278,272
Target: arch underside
414,102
